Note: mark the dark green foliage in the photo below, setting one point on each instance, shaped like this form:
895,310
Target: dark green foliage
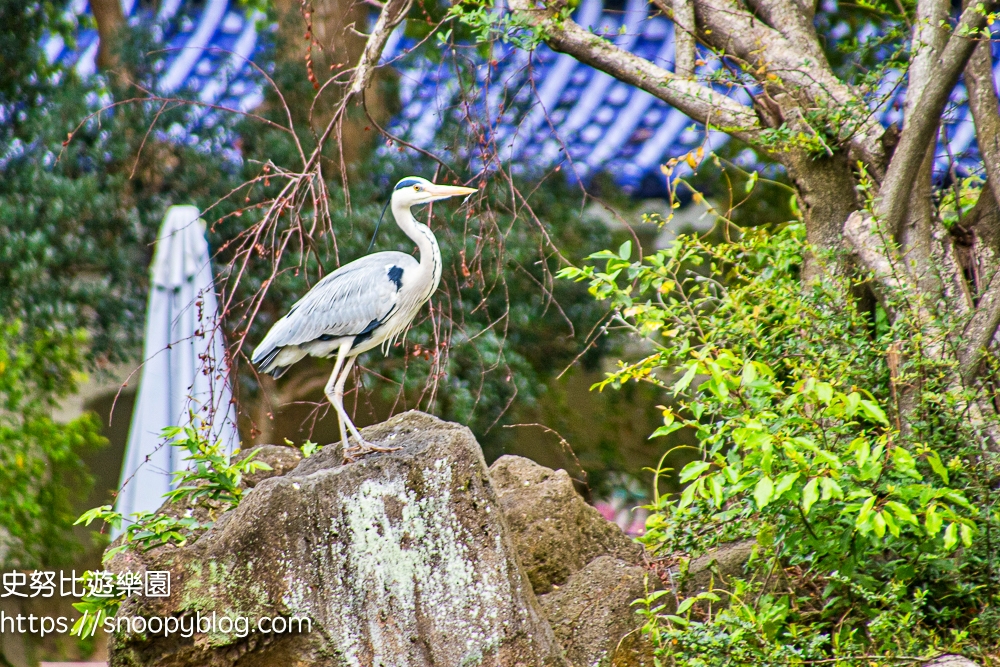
40,467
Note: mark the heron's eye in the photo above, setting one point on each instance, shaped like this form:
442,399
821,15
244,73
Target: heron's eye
417,188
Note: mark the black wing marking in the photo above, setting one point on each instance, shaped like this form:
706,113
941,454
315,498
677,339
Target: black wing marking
370,329
396,276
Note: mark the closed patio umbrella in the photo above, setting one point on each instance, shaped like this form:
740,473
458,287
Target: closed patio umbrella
185,367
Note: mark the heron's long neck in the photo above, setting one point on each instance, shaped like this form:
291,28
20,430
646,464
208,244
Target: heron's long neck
421,234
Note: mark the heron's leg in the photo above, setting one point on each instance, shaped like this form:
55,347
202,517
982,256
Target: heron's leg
331,394
363,446
338,396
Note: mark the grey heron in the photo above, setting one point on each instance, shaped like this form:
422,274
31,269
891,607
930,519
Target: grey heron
366,303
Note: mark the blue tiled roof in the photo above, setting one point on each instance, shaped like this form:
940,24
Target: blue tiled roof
556,111
207,51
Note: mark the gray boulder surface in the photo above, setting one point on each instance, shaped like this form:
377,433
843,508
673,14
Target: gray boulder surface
555,531
400,559
593,617
282,459
585,571
951,661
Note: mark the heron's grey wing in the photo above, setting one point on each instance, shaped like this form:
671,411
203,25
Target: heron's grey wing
351,301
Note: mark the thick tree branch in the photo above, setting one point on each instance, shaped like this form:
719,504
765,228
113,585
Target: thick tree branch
916,236
985,112
728,26
699,102
110,21
876,252
794,23
392,14
984,221
928,41
920,127
682,12
980,330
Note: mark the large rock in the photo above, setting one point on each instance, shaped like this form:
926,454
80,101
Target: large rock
951,661
281,459
399,559
593,616
555,531
585,570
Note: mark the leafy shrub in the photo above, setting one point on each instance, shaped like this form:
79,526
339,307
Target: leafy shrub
872,519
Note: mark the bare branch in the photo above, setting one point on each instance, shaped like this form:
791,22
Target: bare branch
699,102
921,125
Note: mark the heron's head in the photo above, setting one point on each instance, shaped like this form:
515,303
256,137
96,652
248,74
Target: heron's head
414,190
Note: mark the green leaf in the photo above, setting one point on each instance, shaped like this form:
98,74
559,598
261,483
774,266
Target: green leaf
625,250
905,463
872,410
862,451
933,521
966,531
715,484
890,523
957,498
666,429
810,494
853,403
951,536
865,512
830,488
693,470
763,491
935,461
104,513
785,483
878,522
683,383
687,496
902,512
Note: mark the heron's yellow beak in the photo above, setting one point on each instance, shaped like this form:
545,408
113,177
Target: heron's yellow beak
445,191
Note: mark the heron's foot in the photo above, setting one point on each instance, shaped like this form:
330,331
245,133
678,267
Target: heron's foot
363,448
